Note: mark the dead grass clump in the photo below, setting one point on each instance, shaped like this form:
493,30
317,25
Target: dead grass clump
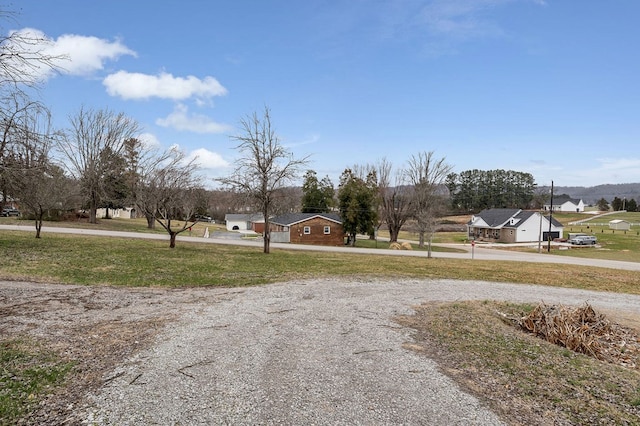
400,246
406,246
585,331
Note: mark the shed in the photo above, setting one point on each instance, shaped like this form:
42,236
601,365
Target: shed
619,225
243,222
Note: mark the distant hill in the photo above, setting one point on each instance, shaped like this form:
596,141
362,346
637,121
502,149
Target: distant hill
590,195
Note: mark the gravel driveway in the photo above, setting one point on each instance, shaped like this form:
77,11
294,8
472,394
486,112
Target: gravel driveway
323,352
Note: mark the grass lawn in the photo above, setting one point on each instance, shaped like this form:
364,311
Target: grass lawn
27,373
473,346
91,260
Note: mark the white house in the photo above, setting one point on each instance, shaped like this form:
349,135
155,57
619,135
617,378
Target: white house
512,226
564,203
125,213
242,222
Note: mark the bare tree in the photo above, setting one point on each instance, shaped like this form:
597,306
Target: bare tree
264,168
396,198
23,58
141,163
93,134
169,192
15,114
427,175
33,178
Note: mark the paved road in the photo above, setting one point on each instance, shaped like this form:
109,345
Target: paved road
477,253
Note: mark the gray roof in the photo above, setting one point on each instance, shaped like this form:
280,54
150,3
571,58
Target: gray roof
251,217
496,217
499,217
561,199
289,219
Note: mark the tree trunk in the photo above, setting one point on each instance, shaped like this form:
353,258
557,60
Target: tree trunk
421,239
93,209
352,239
267,232
39,223
172,239
393,234
151,221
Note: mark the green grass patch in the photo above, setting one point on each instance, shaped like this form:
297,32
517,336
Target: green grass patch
540,381
90,260
27,372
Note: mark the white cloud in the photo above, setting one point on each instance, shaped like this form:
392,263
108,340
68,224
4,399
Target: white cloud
449,22
460,19
149,140
180,119
207,159
309,140
590,173
164,85
73,54
619,170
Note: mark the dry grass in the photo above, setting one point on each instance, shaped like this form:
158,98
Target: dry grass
525,379
585,331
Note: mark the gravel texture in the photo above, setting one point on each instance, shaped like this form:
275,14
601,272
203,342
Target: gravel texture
321,352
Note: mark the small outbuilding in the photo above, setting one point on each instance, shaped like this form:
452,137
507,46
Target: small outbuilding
564,203
244,222
619,225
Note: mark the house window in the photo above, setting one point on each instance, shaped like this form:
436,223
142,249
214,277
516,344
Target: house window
307,230
327,230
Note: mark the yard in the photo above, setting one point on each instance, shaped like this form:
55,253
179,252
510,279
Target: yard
91,345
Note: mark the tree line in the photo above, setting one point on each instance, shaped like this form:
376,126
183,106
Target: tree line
99,161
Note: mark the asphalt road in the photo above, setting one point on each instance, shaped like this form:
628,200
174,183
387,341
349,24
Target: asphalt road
476,253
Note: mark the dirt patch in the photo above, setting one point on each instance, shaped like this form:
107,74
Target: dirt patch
96,328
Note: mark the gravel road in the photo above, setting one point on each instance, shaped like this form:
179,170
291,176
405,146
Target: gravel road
322,352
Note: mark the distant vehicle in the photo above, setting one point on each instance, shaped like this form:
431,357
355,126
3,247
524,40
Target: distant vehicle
203,218
582,240
8,211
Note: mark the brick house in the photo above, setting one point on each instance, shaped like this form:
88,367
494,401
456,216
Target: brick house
308,228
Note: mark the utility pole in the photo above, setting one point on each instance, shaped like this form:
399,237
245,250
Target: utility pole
550,219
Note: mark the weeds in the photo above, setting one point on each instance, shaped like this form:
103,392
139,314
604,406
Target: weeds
26,373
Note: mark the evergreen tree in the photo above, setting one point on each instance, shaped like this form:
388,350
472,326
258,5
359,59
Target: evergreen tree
317,195
474,190
603,205
357,201
616,204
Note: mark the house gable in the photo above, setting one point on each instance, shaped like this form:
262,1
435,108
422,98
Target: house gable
511,226
494,218
310,228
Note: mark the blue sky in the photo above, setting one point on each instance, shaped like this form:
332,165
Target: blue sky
547,87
